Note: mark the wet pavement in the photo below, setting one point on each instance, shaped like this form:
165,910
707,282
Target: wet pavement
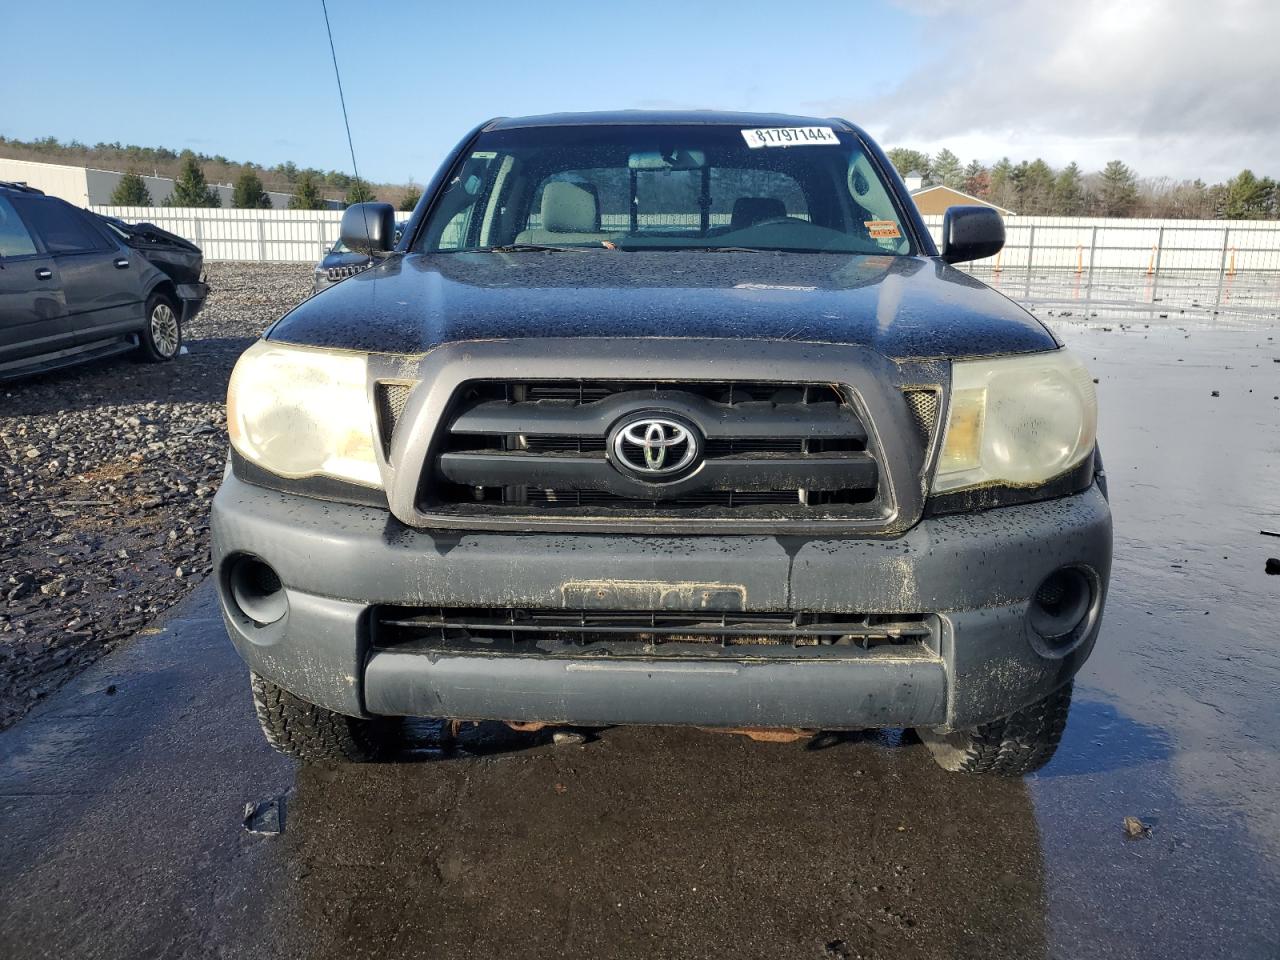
121,797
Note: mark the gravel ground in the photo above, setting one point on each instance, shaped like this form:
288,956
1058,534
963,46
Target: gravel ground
106,473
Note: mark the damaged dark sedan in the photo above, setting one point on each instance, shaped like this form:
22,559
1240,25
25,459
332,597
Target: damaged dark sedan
76,286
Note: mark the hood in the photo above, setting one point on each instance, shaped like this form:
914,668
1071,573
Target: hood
901,307
145,235
347,259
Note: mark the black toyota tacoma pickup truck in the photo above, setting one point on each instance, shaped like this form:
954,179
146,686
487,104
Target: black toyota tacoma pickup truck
673,418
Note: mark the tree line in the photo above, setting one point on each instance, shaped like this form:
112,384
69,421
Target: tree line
192,172
1036,189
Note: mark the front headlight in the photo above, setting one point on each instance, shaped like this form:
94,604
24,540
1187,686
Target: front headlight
301,412
1016,421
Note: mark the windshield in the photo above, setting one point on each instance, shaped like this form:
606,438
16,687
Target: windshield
667,187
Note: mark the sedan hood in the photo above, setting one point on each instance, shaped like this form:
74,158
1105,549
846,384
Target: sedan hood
901,307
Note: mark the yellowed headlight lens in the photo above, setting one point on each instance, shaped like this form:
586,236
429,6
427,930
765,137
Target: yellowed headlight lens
1016,421
301,412
962,449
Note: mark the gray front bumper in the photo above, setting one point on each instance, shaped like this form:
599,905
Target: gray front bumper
975,573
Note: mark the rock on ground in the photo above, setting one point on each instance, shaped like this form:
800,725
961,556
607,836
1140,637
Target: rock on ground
106,474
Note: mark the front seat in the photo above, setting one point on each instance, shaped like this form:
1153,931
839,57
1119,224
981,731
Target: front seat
569,215
748,211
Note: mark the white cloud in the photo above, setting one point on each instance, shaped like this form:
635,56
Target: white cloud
1179,88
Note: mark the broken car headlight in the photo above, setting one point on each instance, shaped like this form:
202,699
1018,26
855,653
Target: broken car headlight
1016,421
301,412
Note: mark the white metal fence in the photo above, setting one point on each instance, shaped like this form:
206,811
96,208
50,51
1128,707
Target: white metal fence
1086,244
1082,245
273,235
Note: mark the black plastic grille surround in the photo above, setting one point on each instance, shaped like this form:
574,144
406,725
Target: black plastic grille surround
768,449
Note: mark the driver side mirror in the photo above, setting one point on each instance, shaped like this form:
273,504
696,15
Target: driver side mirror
971,233
369,228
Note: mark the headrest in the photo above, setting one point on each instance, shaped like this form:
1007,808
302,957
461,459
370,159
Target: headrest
568,208
752,210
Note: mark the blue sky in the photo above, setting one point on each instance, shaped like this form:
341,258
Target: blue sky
254,80
1153,82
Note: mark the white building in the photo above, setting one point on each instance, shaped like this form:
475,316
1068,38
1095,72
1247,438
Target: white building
85,187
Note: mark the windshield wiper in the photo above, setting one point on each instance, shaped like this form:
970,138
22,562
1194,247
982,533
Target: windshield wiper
525,248
730,249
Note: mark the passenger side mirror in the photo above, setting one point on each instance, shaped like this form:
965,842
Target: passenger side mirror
368,228
971,233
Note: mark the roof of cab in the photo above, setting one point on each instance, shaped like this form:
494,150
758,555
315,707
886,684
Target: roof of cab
651,117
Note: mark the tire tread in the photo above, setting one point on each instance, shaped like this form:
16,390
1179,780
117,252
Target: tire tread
1012,746
303,730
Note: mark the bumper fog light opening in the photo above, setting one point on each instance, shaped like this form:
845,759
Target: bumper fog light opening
256,589
1060,607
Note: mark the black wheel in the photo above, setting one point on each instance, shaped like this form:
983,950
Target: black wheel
1010,747
162,336
316,735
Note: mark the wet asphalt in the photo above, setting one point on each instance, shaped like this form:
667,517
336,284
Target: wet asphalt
121,797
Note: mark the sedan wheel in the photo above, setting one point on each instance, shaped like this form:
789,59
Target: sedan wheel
164,329
162,336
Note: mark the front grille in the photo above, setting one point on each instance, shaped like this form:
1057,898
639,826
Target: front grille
349,270
769,449
635,632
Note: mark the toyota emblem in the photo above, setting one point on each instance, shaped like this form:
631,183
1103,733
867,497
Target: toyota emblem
652,447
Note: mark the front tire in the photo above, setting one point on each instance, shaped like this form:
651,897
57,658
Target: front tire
313,734
1012,746
162,336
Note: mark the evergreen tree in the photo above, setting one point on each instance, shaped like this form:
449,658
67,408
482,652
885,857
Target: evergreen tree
249,194
909,161
1249,198
131,191
1117,191
190,189
1035,187
1004,188
1068,192
946,170
359,192
306,193
410,198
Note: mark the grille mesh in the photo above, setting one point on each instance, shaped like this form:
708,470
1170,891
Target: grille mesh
390,399
923,405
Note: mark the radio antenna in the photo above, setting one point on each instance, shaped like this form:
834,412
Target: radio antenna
343,101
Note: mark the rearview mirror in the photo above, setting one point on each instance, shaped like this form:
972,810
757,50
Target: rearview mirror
675,159
368,228
971,233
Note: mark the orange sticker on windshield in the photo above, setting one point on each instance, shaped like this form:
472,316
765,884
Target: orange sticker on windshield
882,229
